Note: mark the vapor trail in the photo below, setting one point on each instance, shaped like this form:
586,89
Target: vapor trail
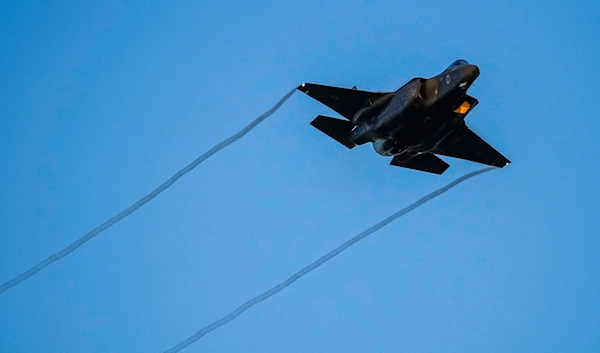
129,210
237,312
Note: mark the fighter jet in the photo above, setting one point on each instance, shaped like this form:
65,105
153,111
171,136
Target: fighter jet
424,117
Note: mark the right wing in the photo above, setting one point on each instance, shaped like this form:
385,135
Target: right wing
426,162
463,143
345,101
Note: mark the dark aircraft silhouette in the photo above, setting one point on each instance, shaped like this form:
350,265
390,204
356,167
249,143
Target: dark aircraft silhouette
423,118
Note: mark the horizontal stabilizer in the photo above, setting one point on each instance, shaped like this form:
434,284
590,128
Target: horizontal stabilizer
337,129
426,162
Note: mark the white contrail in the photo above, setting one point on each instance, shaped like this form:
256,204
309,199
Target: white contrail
237,312
129,210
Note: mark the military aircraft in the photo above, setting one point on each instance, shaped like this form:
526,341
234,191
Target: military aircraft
422,118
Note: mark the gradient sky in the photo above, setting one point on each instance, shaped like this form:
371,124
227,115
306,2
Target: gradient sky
101,102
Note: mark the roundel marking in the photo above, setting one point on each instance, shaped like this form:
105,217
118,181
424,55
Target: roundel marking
448,79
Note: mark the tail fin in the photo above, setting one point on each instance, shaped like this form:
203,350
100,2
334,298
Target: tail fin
337,129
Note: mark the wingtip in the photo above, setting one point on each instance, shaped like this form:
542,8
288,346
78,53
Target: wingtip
302,87
506,162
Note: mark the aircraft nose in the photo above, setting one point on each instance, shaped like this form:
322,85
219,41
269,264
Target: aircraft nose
468,75
471,73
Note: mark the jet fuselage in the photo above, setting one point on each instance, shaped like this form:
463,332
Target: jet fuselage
417,123
418,116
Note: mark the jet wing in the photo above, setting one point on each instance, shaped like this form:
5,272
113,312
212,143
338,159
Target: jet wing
345,101
425,162
463,143
337,129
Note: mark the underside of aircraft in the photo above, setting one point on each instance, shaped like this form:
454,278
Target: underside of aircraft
413,124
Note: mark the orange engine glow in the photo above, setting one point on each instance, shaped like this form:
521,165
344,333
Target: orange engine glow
463,108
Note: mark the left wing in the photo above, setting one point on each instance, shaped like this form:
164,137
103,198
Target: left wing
463,143
345,101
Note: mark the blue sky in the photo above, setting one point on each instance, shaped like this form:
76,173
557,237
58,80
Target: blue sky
101,102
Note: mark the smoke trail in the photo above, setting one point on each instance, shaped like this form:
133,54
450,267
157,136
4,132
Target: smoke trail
237,312
129,210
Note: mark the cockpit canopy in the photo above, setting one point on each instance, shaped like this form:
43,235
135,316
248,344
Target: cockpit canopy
458,62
